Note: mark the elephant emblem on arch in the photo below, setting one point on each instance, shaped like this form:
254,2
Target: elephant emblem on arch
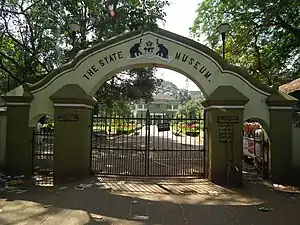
149,48
135,49
162,50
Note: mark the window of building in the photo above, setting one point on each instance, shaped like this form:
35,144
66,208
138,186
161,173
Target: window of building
169,107
175,106
140,106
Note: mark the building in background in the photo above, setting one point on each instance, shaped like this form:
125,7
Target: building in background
163,106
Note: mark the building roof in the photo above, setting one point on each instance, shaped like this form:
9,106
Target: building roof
164,97
290,87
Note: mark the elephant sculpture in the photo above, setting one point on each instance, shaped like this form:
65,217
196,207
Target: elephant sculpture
135,50
162,50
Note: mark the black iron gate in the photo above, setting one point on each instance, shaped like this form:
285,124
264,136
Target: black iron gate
43,157
148,145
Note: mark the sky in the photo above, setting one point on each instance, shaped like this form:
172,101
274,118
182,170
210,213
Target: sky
179,25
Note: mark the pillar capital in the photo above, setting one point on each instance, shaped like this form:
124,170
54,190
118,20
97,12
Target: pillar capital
225,97
20,96
72,95
281,101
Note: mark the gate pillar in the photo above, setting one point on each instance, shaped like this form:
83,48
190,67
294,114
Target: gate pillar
72,141
281,113
18,155
224,121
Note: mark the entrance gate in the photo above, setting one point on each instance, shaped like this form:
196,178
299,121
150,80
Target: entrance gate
147,145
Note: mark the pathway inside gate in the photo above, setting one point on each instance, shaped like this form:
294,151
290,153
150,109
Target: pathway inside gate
149,152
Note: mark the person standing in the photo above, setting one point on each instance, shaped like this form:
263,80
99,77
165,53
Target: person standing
39,130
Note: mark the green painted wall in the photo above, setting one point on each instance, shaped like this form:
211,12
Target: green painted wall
3,129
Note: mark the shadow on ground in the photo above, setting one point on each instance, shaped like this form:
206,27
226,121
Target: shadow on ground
163,201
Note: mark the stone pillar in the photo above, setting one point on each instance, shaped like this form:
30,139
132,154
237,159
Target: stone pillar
281,113
72,132
18,156
224,122
3,129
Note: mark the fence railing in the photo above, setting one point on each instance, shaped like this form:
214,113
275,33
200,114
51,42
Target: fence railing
43,157
148,145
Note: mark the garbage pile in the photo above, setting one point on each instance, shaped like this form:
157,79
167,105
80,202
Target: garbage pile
11,184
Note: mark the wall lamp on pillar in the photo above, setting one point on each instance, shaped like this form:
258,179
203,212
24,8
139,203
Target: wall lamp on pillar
222,29
74,27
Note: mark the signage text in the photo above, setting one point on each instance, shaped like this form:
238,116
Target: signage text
102,62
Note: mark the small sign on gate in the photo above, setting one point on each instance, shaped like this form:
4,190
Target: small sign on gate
163,127
67,117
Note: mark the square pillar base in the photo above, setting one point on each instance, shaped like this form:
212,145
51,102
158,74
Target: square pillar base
225,145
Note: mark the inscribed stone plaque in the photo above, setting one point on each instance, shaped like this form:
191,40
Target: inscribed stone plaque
226,127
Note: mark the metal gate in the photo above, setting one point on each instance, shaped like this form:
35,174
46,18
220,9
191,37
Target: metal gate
43,157
256,154
148,145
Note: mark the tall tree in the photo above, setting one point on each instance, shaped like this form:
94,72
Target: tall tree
191,108
35,36
168,88
264,37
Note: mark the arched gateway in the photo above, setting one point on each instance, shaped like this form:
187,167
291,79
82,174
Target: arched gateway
232,97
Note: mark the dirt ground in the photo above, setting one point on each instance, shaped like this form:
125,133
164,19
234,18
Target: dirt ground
148,201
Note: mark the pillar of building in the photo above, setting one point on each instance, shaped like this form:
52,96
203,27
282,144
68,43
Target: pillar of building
224,119
281,120
3,129
18,154
72,133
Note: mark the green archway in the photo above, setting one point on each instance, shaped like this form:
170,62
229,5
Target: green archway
229,91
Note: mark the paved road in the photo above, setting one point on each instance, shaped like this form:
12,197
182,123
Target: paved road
169,136
161,203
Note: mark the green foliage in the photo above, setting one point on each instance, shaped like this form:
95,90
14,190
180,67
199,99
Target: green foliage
264,37
191,109
35,38
115,95
169,88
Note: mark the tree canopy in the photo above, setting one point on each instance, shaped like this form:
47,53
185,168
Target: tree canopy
264,38
36,38
169,88
191,108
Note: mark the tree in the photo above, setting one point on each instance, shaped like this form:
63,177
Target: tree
169,88
264,37
184,95
116,94
191,108
31,45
